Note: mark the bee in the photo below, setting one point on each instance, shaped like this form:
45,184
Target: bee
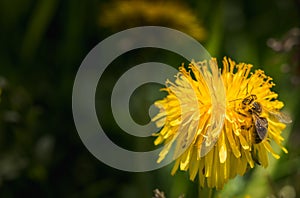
260,132
254,108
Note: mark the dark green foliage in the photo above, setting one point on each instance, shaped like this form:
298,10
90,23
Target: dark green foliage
42,44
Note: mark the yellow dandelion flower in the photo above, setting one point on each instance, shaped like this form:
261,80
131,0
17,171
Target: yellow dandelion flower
252,122
121,15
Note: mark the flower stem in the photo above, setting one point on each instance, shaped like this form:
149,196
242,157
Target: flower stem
205,192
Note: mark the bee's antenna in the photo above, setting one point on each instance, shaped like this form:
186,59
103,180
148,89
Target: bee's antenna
247,87
236,99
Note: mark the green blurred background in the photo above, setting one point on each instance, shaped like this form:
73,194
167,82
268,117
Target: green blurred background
42,44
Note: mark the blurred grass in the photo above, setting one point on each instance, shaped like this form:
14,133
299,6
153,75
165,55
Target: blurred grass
42,46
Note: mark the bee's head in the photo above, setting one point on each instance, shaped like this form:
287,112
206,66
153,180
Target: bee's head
249,99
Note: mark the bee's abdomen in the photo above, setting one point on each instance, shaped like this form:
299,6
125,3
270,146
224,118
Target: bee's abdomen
260,133
256,138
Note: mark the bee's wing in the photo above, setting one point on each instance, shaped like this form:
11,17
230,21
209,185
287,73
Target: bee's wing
261,126
280,116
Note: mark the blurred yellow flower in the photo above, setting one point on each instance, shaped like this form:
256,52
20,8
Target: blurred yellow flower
252,121
121,15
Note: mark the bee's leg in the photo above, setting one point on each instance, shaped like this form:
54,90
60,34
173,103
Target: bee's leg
242,114
255,155
249,129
